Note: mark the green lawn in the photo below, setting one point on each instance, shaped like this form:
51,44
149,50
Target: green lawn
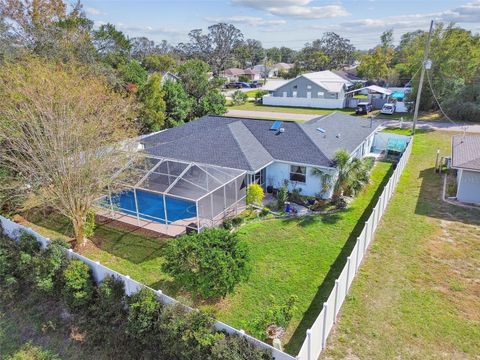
417,293
289,257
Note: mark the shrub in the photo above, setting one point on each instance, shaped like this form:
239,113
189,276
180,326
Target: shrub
29,351
282,196
78,285
228,224
237,348
187,334
48,269
277,314
9,254
237,221
28,243
239,97
259,94
208,264
110,314
255,194
265,211
143,313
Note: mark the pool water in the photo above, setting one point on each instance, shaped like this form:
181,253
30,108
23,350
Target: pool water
151,206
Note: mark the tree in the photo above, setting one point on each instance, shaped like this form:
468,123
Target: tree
112,45
54,121
47,28
178,105
239,97
133,73
338,49
274,54
209,263
216,48
152,112
287,55
160,63
204,92
142,47
352,174
310,59
254,194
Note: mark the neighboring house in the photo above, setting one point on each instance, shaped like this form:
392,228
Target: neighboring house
350,75
252,74
466,159
322,89
271,71
267,156
166,75
232,74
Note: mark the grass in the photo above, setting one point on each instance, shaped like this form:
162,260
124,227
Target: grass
289,257
417,293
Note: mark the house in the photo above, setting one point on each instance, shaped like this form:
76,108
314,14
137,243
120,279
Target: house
350,75
166,75
252,74
271,71
232,74
269,152
322,89
466,159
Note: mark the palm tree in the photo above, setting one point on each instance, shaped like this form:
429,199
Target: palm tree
352,174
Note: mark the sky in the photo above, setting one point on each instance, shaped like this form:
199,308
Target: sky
289,23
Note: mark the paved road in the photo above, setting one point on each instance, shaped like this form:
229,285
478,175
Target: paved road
270,115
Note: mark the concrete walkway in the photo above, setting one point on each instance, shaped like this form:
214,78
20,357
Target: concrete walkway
270,115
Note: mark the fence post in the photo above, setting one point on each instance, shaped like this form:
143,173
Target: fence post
335,306
309,344
349,261
367,233
324,339
357,265
127,285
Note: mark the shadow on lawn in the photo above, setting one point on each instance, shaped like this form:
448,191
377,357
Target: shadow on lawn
430,203
327,285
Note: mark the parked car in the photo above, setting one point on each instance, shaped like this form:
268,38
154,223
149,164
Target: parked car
243,85
255,84
233,85
363,108
388,109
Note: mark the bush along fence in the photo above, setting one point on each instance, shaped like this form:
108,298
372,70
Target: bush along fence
100,272
316,336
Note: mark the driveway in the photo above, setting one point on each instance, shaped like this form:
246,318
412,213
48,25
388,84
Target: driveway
270,115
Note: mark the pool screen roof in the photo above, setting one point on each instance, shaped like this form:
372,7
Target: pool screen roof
398,145
186,180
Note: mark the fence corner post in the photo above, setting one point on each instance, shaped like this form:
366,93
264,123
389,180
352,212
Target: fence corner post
309,344
324,335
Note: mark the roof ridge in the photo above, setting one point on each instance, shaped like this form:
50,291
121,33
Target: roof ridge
313,142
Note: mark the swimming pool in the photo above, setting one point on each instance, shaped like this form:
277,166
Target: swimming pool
151,206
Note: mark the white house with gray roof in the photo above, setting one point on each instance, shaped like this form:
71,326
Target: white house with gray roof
269,152
321,89
466,159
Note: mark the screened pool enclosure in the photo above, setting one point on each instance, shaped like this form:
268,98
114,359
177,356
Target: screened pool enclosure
171,196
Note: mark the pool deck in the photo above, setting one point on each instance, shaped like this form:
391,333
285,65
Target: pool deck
174,229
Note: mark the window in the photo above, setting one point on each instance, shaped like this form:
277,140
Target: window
309,94
295,87
284,94
298,173
309,87
320,93
294,94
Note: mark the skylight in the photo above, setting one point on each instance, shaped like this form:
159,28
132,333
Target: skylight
276,125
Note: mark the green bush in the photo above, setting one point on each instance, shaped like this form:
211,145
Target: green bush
143,313
208,264
9,255
237,221
237,348
228,224
277,314
265,211
282,196
28,243
31,352
239,97
48,269
78,285
259,94
255,194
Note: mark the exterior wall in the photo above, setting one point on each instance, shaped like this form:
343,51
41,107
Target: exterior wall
468,186
302,83
365,147
278,172
304,102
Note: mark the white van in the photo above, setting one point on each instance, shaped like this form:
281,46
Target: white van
388,109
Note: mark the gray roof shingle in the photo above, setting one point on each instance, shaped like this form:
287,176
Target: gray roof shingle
249,144
466,152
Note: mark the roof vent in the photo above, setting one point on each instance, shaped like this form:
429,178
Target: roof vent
321,130
338,136
282,130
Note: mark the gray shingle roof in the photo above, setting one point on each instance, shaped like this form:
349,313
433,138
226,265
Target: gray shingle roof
466,152
249,144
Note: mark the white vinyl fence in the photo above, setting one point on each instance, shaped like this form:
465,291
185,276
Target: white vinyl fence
99,271
317,335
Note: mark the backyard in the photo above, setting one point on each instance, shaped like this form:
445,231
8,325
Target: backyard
416,295
299,257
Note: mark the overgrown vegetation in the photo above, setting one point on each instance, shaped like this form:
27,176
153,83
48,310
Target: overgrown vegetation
122,326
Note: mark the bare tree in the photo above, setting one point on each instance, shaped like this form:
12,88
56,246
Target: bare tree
63,134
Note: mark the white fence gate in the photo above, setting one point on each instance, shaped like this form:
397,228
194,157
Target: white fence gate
316,337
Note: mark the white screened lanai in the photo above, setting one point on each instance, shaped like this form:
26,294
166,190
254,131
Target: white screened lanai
171,196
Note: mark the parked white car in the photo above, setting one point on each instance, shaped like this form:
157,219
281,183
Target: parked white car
388,109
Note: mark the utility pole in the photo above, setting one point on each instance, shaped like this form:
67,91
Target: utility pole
422,76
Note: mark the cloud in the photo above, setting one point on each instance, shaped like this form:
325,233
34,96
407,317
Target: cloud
300,9
248,20
93,11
